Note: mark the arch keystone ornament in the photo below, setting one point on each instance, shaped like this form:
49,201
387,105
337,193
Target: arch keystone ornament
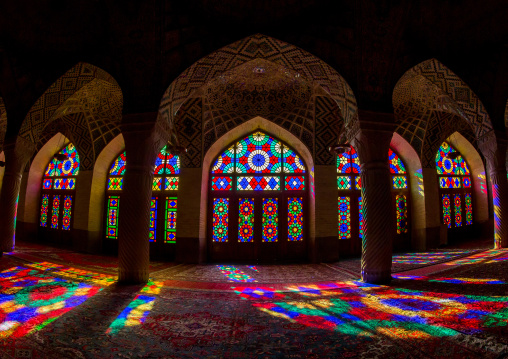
493,146
372,145
16,157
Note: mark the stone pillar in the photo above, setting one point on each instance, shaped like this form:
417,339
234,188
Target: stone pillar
142,145
493,146
372,145
16,157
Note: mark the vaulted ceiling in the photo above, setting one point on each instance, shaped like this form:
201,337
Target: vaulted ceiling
146,45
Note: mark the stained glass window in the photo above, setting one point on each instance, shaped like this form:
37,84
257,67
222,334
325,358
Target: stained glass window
152,233
58,185
454,179
112,223
360,215
348,162
170,230
295,219
165,184
344,218
258,153
220,219
401,207
396,165
270,219
447,211
257,163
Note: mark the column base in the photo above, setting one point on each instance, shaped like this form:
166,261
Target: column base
132,277
376,277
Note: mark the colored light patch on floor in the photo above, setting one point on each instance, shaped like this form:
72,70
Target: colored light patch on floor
74,273
30,300
234,274
500,258
255,293
427,257
476,258
134,314
450,280
357,309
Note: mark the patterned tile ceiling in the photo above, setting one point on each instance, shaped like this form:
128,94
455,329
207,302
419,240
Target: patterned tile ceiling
430,103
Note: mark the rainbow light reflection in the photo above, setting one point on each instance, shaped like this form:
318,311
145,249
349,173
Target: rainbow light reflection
479,257
30,300
357,308
234,274
427,257
449,280
137,311
75,273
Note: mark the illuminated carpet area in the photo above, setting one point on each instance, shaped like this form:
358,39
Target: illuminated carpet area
52,310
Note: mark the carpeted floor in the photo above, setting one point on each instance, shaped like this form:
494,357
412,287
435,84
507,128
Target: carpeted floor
56,310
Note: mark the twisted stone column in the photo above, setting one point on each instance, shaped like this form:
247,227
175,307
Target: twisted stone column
493,146
16,157
142,147
378,231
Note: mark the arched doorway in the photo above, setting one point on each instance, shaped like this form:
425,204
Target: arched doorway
257,211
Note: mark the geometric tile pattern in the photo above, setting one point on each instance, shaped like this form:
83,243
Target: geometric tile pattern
188,123
247,49
431,103
328,126
86,105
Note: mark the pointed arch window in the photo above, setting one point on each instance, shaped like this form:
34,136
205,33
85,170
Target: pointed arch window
164,202
58,190
455,187
258,189
350,204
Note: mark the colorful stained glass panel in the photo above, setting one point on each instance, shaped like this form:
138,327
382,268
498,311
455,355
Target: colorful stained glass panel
449,182
258,183
396,165
469,208
44,210
447,210
170,230
118,167
171,183
466,181
399,182
448,166
292,162
70,166
47,183
64,183
343,182
360,217
258,153
66,213
295,183
458,209
295,219
113,211
348,162
152,233
246,220
224,163
344,218
358,182
222,183
220,219
401,208
55,212
115,183
172,164
158,184
270,220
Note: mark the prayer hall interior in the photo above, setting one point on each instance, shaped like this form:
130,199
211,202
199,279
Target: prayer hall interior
253,179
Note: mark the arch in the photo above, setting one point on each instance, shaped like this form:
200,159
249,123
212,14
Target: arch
36,173
477,169
414,168
99,178
256,123
258,46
